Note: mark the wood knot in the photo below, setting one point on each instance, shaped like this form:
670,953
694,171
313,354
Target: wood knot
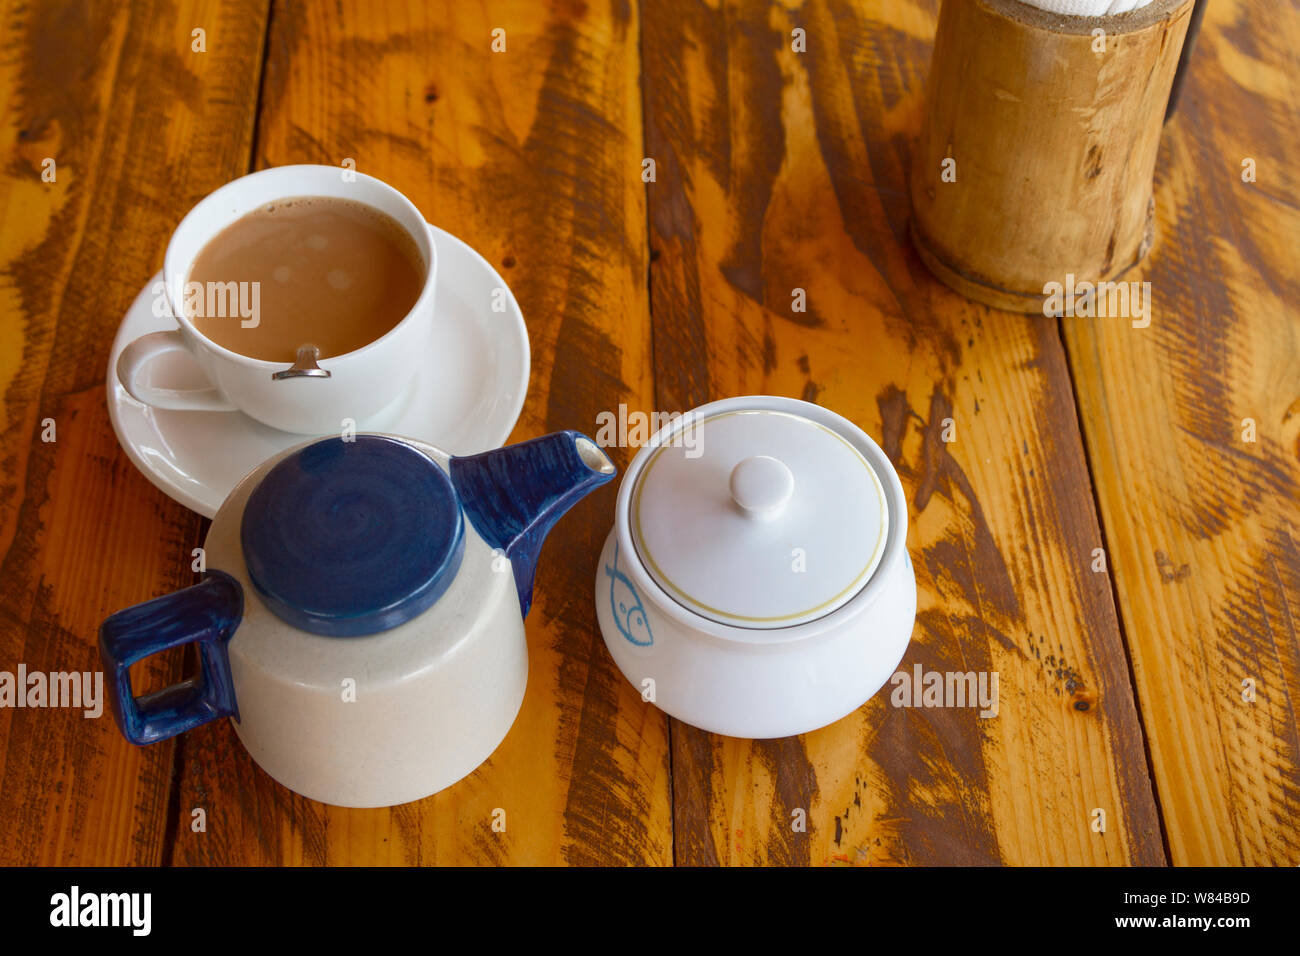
1291,423
1083,700
1167,570
1093,162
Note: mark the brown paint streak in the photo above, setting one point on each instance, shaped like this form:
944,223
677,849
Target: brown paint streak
940,472
936,785
693,796
795,788
97,90
752,47
932,759
1202,351
867,160
681,380
606,813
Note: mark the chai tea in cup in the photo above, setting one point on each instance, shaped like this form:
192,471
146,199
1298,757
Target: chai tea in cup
308,270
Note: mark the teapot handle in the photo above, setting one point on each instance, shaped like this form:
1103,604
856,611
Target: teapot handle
207,613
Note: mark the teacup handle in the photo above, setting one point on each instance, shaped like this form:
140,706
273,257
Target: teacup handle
144,350
207,614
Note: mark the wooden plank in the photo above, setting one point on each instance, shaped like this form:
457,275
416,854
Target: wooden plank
780,170
139,127
1203,524
532,155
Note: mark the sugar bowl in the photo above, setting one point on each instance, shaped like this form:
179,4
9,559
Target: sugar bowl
756,582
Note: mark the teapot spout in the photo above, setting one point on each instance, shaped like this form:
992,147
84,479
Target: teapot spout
514,495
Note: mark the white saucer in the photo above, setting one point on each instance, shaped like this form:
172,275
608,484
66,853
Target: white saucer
466,402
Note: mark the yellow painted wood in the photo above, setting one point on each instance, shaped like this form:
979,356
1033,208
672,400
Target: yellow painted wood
1193,428
531,155
782,182
139,127
775,171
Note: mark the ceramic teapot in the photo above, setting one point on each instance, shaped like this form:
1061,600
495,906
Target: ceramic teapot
361,615
757,575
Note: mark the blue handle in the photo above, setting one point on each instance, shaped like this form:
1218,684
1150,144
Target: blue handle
208,614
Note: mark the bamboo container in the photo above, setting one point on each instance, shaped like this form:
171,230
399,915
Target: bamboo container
1038,145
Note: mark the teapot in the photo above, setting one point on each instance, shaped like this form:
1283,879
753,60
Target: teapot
361,614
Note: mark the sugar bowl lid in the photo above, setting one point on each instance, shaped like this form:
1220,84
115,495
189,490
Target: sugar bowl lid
346,538
758,513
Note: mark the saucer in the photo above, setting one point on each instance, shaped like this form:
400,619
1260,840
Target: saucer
466,401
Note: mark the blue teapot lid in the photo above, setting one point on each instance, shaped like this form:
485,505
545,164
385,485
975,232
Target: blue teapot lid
344,538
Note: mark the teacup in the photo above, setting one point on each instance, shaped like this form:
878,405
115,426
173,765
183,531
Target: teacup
312,396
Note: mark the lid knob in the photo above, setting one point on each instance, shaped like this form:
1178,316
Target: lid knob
761,486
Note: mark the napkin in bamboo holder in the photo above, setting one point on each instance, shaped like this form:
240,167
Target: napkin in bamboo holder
1038,145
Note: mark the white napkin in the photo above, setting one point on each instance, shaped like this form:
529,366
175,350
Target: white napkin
1086,8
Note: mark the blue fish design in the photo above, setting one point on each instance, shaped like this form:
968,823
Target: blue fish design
625,604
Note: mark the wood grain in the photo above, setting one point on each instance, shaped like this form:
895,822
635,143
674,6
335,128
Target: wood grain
775,171
140,127
1203,524
532,155
780,170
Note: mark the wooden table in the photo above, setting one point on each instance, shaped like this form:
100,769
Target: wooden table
1122,690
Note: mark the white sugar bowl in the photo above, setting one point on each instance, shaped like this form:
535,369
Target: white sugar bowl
756,582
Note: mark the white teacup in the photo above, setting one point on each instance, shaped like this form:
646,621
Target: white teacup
300,397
